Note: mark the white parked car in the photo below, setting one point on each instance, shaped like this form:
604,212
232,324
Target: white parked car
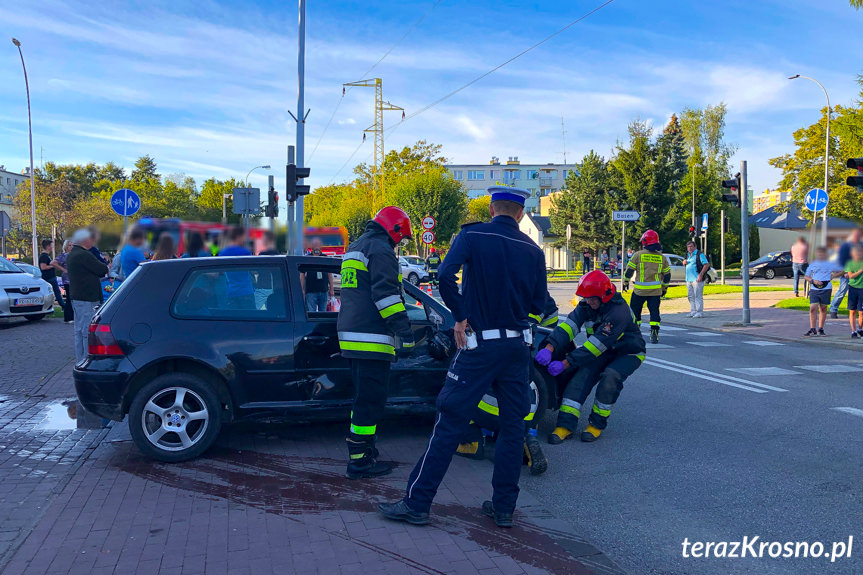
678,270
22,295
413,269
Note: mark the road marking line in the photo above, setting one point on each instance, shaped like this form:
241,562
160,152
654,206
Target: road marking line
849,410
708,344
659,346
763,371
654,363
706,334
830,368
665,327
762,342
692,370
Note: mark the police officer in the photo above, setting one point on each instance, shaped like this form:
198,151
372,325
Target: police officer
503,281
613,351
654,275
432,264
372,313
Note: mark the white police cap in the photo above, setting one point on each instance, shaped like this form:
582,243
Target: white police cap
516,195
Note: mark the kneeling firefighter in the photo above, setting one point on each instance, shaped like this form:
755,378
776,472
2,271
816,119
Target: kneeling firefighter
614,349
485,423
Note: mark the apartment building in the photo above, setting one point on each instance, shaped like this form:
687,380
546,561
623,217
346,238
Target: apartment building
768,199
9,182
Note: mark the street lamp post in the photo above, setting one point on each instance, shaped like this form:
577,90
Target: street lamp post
826,156
252,170
32,173
224,212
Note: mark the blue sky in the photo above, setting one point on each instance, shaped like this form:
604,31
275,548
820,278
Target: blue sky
204,87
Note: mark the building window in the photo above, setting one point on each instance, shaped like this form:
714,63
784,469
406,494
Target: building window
532,174
456,175
475,175
510,175
492,174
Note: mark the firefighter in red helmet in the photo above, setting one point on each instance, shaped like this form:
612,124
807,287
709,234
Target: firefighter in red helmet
372,316
652,275
432,264
613,351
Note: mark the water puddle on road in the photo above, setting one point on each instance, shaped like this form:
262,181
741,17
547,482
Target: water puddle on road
60,416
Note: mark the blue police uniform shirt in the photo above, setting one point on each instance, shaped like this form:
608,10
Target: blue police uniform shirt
503,278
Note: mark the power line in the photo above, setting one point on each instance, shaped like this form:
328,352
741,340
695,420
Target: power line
354,153
499,66
369,71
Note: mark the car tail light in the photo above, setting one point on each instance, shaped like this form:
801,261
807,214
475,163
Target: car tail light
100,341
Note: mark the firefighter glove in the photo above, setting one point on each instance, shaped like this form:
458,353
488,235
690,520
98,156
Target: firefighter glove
543,356
556,368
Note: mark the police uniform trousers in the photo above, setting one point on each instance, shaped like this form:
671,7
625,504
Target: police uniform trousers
636,303
607,372
370,378
503,365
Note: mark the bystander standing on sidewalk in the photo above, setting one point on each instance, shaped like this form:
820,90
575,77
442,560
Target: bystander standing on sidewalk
842,258
854,273
49,267
820,274
318,285
164,249
799,259
195,247
586,258
132,253
85,287
68,314
269,247
696,268
96,235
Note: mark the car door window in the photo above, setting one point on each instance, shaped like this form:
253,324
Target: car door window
315,282
232,293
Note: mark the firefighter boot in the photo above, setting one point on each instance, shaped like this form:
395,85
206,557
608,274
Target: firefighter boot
536,461
471,449
590,434
559,435
654,334
363,463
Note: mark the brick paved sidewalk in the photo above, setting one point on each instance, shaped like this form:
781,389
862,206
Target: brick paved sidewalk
274,500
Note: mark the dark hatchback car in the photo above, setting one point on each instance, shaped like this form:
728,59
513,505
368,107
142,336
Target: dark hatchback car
772,265
186,345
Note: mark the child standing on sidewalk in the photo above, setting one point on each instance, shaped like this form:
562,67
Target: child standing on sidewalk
820,274
854,273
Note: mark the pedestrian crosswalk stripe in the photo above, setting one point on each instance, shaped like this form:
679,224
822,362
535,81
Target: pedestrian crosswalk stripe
659,346
762,371
712,376
762,342
849,410
831,368
708,344
705,334
646,325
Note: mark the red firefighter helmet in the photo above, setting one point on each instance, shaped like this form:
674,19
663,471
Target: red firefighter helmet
596,284
396,222
432,250
649,237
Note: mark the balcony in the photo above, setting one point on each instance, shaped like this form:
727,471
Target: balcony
545,182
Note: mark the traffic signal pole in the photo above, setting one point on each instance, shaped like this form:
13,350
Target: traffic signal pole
722,246
301,125
744,240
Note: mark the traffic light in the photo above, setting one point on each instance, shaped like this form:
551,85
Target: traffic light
293,173
733,187
692,232
272,209
727,224
855,181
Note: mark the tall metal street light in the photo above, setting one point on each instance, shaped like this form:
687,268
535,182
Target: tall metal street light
32,173
826,154
252,170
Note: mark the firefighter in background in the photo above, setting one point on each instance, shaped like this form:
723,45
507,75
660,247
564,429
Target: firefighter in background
372,315
613,351
653,274
432,264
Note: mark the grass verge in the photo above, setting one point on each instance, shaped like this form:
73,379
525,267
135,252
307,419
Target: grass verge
802,304
678,292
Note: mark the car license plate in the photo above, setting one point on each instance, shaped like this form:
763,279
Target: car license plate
28,301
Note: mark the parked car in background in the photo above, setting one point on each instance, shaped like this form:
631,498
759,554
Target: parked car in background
22,295
772,265
413,269
678,270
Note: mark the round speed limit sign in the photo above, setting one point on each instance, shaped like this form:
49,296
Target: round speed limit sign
428,237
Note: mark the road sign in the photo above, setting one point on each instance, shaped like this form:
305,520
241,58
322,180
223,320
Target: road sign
125,202
568,232
816,199
625,216
429,223
428,237
5,224
704,223
247,201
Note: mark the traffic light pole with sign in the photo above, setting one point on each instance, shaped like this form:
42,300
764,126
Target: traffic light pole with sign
623,217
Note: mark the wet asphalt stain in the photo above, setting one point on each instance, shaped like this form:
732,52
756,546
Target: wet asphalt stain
308,490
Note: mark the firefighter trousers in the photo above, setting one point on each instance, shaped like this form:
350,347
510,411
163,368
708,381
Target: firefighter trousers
607,373
636,303
370,378
504,365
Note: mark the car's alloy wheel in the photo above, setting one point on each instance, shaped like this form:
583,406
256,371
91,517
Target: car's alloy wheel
414,279
769,274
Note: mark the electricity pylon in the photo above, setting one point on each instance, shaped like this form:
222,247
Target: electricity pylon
378,130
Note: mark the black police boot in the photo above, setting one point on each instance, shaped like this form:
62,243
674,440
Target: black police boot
363,463
654,334
399,511
501,519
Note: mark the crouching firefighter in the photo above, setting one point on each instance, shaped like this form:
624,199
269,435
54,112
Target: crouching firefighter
651,283
372,314
613,351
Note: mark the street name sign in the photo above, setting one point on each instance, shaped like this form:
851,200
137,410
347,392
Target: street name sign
816,199
125,202
428,237
625,216
429,223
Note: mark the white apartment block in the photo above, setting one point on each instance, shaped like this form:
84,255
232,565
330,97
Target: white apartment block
9,182
539,179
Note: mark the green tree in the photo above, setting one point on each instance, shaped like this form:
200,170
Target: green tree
434,193
856,3
209,200
477,209
145,169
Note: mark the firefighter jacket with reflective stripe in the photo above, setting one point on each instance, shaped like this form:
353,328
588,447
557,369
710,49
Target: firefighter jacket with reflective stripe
652,272
548,317
433,262
610,330
373,308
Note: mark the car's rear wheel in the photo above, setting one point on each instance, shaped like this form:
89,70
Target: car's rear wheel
35,317
414,279
769,274
175,417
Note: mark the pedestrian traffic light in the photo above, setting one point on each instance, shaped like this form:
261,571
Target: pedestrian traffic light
733,187
692,231
726,223
294,191
272,208
855,181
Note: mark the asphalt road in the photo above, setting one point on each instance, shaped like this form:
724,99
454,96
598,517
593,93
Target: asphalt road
715,438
